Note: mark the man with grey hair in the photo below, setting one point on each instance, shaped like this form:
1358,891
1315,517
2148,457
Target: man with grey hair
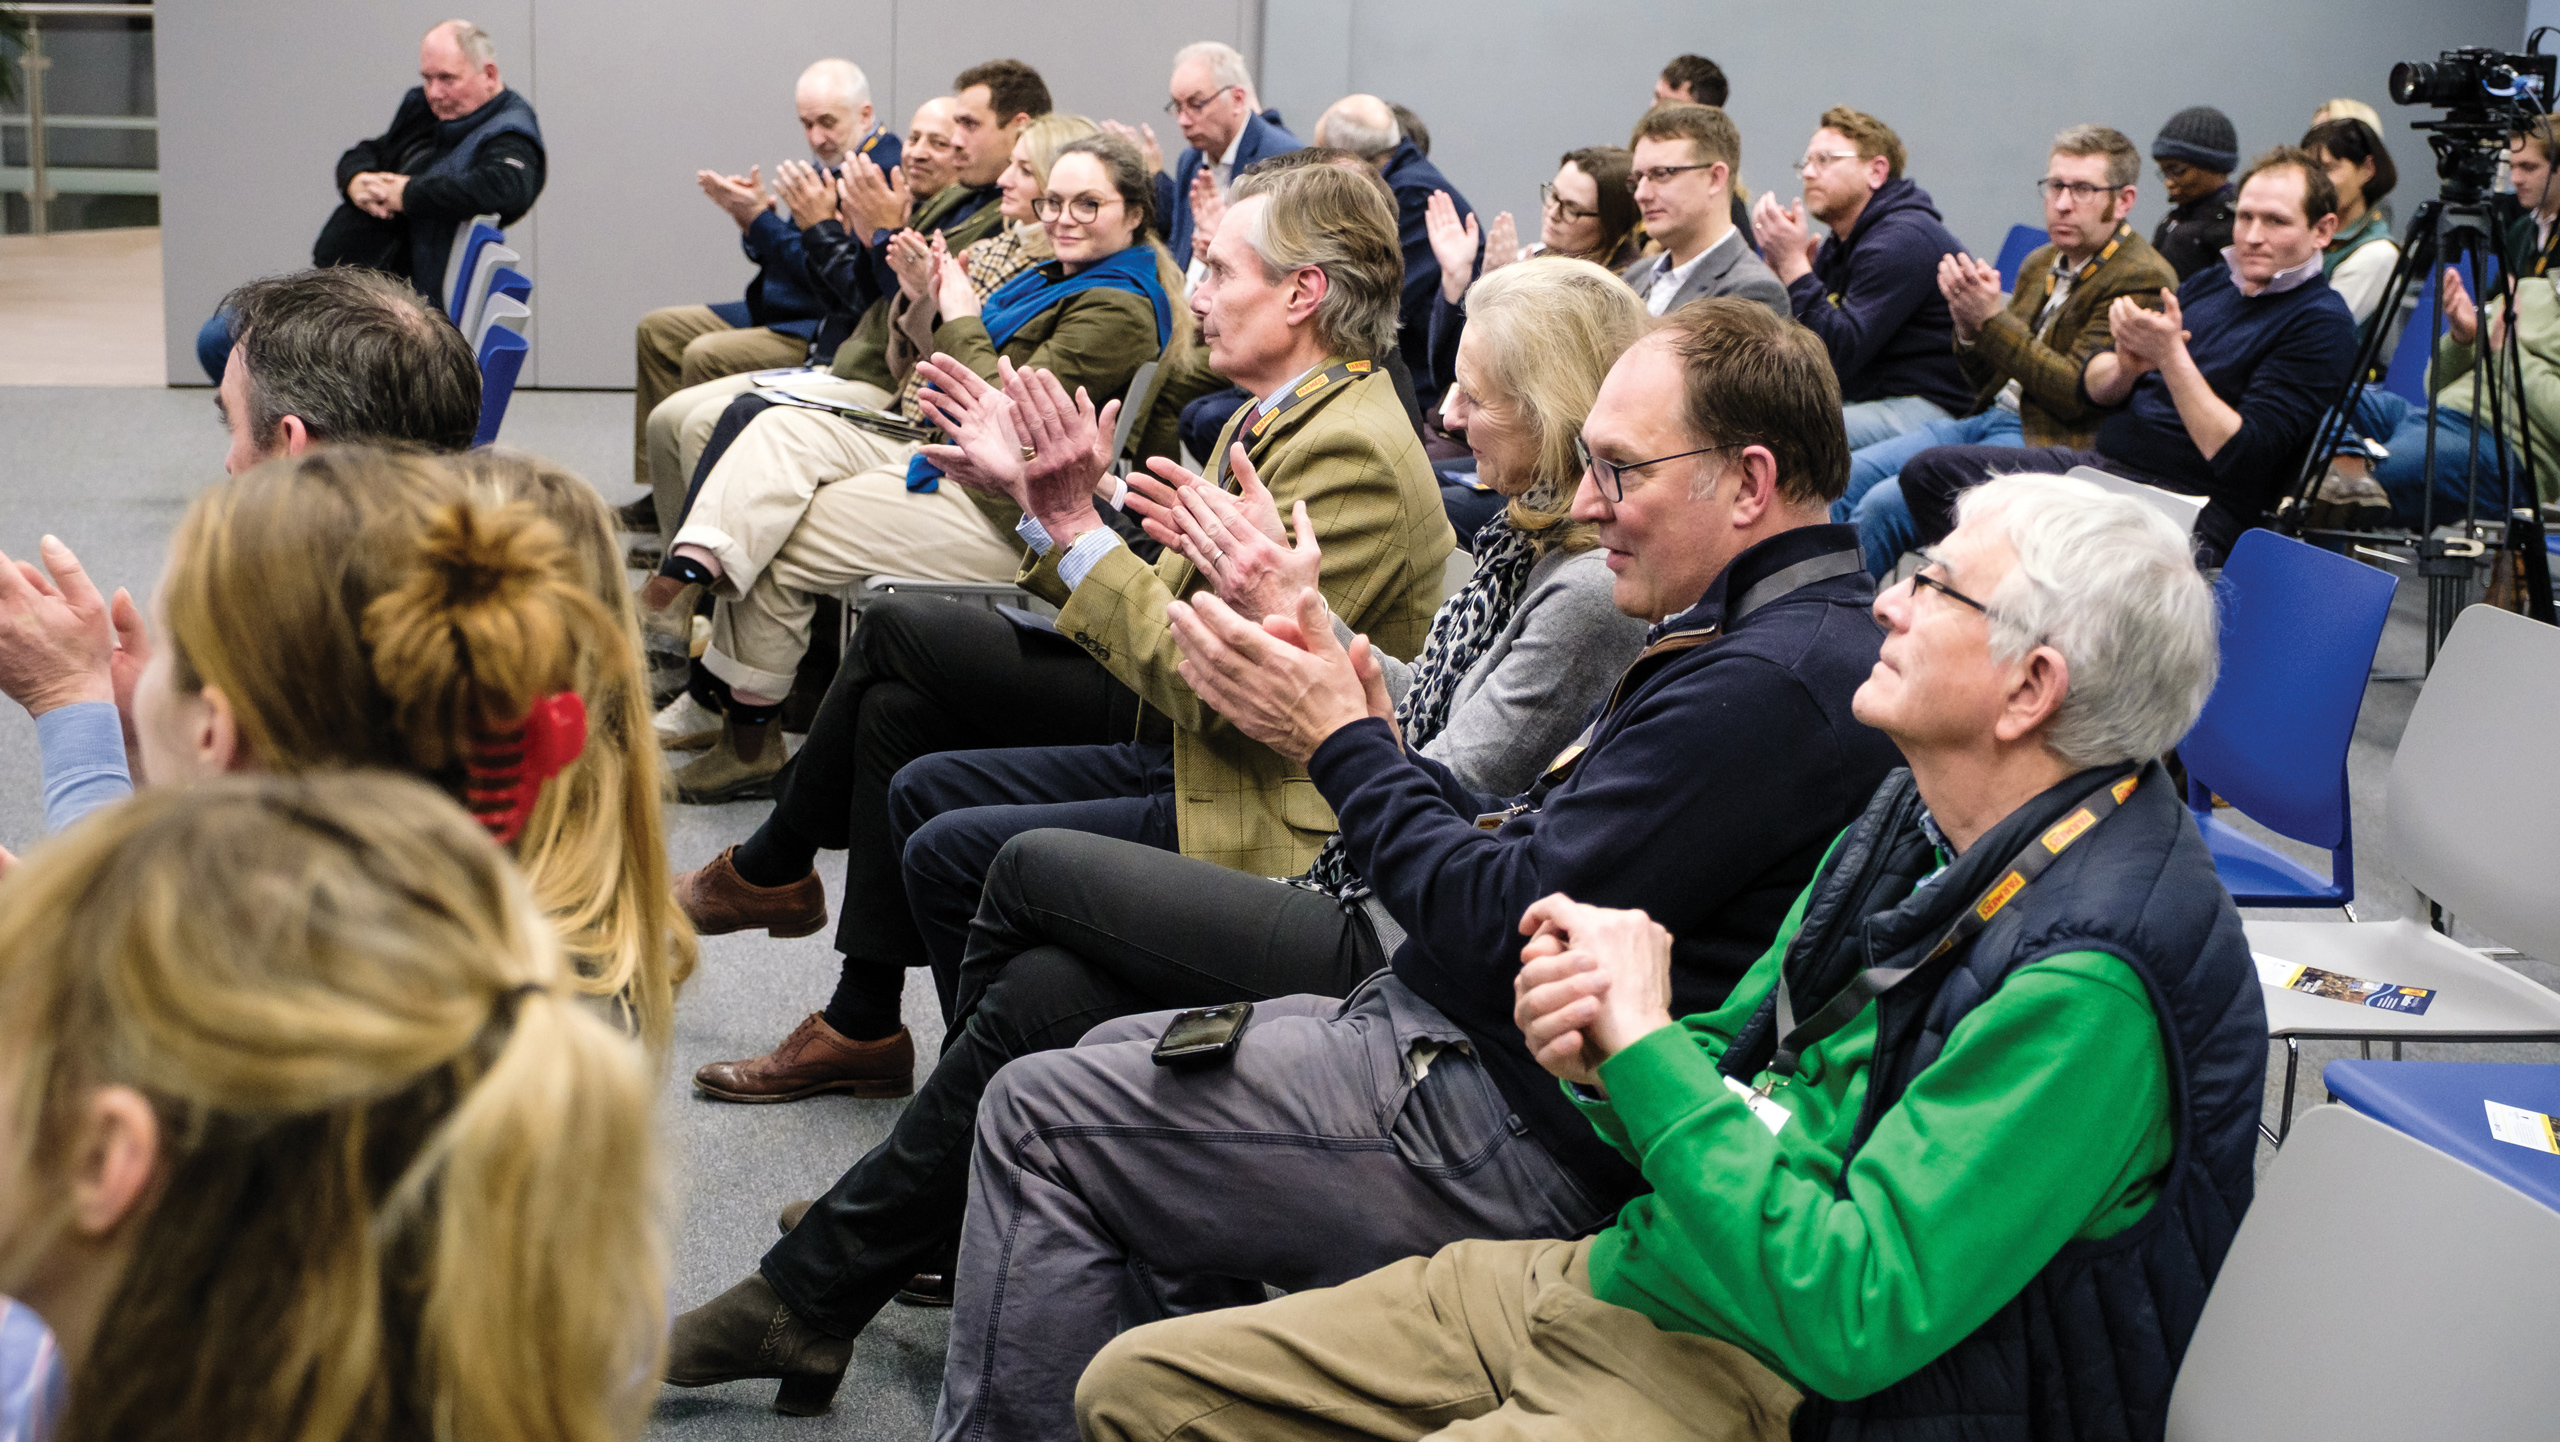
1974,1133
1214,105
687,345
1366,126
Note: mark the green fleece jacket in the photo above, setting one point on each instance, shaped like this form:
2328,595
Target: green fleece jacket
2046,1119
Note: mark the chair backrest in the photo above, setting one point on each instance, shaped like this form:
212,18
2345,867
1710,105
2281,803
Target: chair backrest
1133,407
468,238
502,355
508,281
2378,1289
494,257
502,312
2178,508
2022,242
2473,789
2299,627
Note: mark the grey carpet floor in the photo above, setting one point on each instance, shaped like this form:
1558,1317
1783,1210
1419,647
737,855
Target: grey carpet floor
111,470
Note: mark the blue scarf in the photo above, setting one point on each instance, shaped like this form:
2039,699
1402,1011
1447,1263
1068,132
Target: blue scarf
1033,291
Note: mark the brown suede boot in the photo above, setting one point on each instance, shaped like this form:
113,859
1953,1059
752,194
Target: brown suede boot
740,766
816,1058
746,1332
717,900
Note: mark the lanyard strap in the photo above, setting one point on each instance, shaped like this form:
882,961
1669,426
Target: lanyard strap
1875,981
1297,395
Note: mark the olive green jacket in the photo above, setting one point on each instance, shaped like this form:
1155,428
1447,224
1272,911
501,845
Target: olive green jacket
1351,454
2053,410
864,355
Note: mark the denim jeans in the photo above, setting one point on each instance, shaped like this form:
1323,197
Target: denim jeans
2402,426
1873,502
1872,421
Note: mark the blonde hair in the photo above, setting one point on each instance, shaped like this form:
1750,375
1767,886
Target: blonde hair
356,608
1548,328
404,1187
608,890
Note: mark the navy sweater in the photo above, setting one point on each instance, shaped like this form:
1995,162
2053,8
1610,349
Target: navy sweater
1412,176
2279,360
1713,781
1873,298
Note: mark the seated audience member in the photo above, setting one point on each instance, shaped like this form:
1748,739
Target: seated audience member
1512,667
2024,353
342,355
1690,80
2359,259
680,428
1998,1191
1682,171
1871,288
307,1137
2343,109
1303,277
2529,153
807,502
1410,1116
684,345
1226,128
2222,389
461,144
1367,127
2401,426
2196,153
354,607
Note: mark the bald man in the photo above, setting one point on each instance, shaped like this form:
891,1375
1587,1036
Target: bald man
686,345
461,144
1367,127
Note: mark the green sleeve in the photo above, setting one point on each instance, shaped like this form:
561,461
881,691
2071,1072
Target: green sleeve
2045,1118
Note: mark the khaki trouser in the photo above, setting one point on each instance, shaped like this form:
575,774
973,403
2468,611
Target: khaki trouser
1485,1340
685,345
804,504
682,424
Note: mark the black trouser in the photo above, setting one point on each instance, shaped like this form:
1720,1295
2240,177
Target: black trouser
1933,479
1072,930
928,675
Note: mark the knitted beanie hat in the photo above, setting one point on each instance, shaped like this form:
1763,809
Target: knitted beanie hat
2202,137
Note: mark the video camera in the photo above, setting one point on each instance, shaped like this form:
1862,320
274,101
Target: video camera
2486,95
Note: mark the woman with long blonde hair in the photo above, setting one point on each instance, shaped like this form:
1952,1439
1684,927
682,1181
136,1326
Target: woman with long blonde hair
301,1136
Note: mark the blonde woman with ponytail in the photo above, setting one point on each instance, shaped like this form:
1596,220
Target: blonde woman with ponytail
352,607
302,1137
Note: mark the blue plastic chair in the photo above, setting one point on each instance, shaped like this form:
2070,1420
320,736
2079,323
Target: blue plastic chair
2022,242
502,354
511,283
2439,1103
458,296
2299,627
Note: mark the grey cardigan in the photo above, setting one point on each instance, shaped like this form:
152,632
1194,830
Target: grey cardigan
1528,695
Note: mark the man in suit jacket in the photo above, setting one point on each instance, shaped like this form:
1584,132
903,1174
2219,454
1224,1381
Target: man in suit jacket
1214,103
1366,126
1683,168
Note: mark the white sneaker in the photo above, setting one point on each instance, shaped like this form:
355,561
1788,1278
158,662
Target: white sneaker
686,724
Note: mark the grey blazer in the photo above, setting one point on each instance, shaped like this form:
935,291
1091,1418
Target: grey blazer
1731,270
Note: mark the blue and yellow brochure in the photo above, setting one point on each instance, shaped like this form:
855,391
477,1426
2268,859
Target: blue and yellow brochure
2380,995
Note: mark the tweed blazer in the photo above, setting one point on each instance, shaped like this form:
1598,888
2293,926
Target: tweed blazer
1351,454
2052,408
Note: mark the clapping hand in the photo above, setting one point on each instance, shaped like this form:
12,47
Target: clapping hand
871,202
2147,340
1142,136
1235,540
912,259
1454,241
810,196
1286,683
1592,982
1786,241
1208,207
740,195
985,449
1070,444
1972,290
58,636
2461,317
954,296
1501,245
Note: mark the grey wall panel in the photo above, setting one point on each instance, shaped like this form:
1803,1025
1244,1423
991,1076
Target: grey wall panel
1975,89
256,102
642,96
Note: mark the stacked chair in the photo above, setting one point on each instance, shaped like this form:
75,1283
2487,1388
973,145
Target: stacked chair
491,302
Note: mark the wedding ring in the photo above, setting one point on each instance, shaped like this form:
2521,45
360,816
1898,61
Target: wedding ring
1031,453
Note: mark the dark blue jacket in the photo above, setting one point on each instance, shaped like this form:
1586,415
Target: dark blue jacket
2090,1348
490,161
1873,298
783,296
1263,135
1412,176
1713,780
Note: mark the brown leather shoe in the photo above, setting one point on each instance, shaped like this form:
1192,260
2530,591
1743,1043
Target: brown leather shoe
927,1289
746,1332
816,1058
719,901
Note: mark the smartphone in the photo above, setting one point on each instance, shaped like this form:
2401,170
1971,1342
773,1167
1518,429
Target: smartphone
1204,1036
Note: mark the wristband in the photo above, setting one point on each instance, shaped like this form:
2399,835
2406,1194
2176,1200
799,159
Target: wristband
1119,493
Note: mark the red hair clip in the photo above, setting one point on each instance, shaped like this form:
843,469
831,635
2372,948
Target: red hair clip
505,773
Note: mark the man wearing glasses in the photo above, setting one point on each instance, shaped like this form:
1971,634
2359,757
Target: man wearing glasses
1213,103
1870,289
2196,152
1682,174
2024,353
1340,1136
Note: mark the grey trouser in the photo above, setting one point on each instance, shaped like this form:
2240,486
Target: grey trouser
1312,1158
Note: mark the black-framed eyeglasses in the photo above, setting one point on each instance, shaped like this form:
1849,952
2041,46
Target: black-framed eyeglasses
1083,209
1194,105
1661,174
1566,210
1929,558
1611,477
2079,190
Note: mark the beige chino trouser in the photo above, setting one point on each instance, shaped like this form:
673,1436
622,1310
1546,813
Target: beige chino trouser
804,504
1484,1340
682,424
685,345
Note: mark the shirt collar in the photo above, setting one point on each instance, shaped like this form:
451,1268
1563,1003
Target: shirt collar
1273,399
2277,284
1235,144
1664,267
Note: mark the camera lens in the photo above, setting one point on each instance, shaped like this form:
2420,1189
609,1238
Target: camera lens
2416,82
